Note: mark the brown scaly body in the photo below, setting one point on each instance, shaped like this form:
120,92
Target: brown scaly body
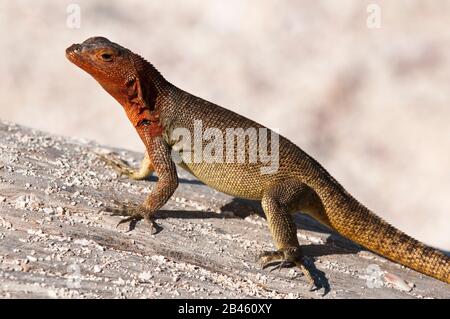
157,109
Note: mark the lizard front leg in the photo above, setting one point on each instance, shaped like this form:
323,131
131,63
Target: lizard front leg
160,156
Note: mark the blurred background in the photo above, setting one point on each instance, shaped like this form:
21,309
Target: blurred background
363,88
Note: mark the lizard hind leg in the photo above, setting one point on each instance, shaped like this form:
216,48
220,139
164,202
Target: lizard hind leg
145,170
278,204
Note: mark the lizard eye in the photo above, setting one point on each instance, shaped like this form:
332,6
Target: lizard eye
107,57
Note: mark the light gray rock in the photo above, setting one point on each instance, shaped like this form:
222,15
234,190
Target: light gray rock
55,242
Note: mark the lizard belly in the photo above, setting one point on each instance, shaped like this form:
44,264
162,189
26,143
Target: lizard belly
231,179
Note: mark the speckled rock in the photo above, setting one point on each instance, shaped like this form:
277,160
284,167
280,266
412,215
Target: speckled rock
56,242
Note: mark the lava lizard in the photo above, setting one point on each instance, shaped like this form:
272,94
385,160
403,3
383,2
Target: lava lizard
157,108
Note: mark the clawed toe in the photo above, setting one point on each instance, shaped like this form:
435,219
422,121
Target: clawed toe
134,218
118,165
135,213
125,211
300,264
154,227
269,258
283,258
280,265
122,210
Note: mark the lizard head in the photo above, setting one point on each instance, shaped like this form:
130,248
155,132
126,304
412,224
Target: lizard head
123,74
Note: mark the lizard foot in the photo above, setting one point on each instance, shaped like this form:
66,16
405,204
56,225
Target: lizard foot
283,258
119,166
135,213
269,258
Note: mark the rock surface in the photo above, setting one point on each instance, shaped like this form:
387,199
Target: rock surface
56,242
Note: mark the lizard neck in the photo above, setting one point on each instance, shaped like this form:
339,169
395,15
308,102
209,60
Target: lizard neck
146,87
148,74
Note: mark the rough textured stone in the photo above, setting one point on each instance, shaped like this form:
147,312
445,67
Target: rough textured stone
55,242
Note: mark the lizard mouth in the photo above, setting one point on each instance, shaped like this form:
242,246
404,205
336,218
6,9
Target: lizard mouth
73,51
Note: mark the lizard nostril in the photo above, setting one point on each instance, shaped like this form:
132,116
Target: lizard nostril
75,48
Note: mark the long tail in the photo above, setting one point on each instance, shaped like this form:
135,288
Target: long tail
354,221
